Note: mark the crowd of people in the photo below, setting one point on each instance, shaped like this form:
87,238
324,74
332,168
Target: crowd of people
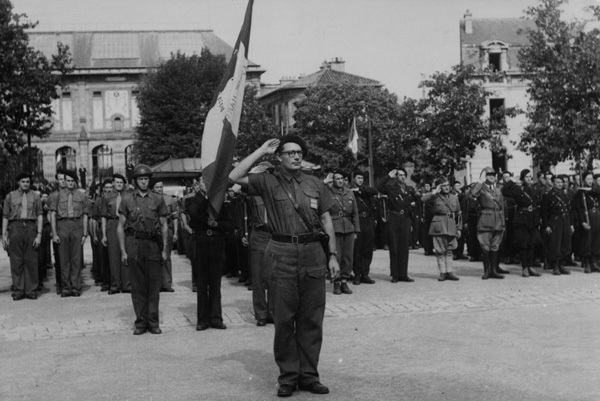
282,231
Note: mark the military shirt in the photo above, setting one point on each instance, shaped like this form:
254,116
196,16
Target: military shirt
196,207
344,211
143,211
492,204
555,205
447,219
400,196
258,213
108,207
59,202
13,201
310,194
364,200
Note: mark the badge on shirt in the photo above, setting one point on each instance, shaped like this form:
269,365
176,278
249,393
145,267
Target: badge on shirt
313,203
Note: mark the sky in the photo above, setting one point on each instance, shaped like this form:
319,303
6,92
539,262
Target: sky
398,42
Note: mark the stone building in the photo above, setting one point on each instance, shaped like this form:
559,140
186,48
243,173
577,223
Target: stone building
96,114
280,100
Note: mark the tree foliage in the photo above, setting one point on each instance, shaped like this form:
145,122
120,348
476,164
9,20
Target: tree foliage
562,64
174,101
324,118
28,82
255,126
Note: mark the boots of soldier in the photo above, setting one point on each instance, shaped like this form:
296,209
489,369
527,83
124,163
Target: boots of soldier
593,265
485,256
337,288
555,269
449,268
562,269
524,264
493,273
586,263
441,266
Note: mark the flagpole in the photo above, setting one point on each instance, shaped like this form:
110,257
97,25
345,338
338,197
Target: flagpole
370,140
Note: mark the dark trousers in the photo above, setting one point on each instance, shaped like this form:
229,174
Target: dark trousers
363,247
590,241
167,269
119,272
70,249
57,268
298,282
208,262
559,242
345,249
415,235
44,259
262,296
398,229
426,239
23,257
473,247
144,260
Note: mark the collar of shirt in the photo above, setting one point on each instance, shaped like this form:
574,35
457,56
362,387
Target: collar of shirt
23,192
289,177
140,194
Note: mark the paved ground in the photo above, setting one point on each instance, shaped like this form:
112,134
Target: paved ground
512,339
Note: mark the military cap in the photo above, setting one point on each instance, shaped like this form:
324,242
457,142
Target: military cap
22,175
71,173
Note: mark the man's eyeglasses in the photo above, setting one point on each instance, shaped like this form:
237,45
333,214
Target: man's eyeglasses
292,153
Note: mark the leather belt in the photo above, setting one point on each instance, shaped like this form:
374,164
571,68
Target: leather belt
209,233
449,214
492,209
525,209
295,239
364,214
398,211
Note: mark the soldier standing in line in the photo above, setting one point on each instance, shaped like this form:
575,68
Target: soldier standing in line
62,185
142,233
208,240
557,221
365,240
109,211
22,236
101,250
401,198
173,223
297,204
426,217
471,210
346,224
490,227
507,247
44,255
70,209
446,226
260,235
186,231
459,252
587,207
526,218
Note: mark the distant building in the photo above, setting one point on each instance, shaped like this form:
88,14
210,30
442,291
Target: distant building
96,114
280,100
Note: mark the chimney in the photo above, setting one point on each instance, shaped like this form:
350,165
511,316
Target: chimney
468,23
338,64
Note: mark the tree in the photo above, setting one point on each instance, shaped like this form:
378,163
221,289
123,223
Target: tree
174,101
255,126
562,64
325,116
452,124
28,82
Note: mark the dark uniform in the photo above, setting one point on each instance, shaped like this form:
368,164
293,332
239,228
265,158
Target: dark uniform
525,222
22,213
260,235
344,215
471,211
119,271
298,266
208,259
365,240
556,215
589,213
70,206
167,267
400,199
143,244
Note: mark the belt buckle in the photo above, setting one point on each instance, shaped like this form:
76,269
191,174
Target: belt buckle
209,232
364,214
341,214
294,239
401,211
530,208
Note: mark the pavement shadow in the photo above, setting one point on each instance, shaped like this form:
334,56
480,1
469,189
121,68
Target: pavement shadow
257,363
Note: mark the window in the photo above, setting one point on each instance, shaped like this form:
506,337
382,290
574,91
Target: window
102,167
66,158
117,124
494,61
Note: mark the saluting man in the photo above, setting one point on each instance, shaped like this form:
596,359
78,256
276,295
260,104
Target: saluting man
22,236
445,227
365,239
69,219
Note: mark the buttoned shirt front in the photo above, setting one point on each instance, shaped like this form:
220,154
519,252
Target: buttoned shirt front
143,211
344,211
555,205
308,192
59,202
400,196
13,205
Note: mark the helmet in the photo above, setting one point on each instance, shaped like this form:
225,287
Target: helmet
142,170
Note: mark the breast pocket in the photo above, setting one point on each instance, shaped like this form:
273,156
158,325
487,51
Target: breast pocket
283,205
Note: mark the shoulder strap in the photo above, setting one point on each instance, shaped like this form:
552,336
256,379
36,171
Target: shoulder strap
296,205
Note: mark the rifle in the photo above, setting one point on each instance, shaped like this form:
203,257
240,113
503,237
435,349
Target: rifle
585,208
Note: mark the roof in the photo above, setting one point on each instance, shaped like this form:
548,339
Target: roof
128,49
327,76
186,167
504,29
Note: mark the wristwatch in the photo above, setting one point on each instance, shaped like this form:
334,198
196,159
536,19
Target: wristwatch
334,253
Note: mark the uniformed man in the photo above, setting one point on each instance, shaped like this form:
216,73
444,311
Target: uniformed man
69,219
44,254
62,185
507,251
208,240
557,222
471,210
401,198
119,271
260,235
101,250
22,236
446,226
459,252
490,227
142,233
297,204
526,218
427,214
365,240
346,224
186,231
587,206
173,223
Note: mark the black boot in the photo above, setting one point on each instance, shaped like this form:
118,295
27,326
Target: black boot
524,263
593,266
561,267
485,256
494,266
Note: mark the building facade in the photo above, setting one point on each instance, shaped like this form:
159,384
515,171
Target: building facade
96,114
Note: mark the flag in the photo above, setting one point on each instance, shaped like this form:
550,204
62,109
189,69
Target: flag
223,120
353,139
